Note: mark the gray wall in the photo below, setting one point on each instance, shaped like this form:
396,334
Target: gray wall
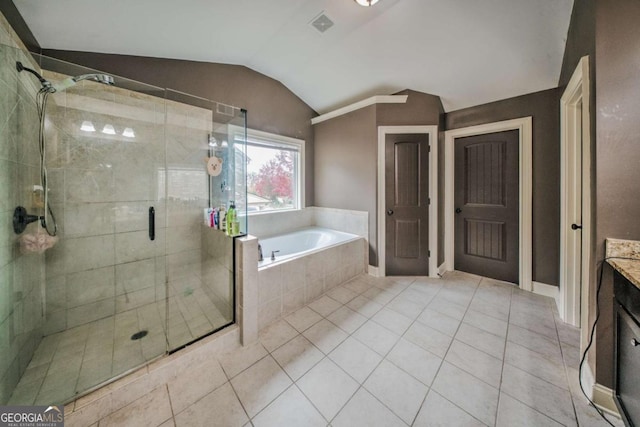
617,149
271,106
346,154
544,107
346,159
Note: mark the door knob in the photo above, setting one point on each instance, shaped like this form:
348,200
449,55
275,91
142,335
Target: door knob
390,212
458,210
575,226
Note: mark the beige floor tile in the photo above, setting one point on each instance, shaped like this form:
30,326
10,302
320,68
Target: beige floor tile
219,408
392,320
152,410
538,394
533,341
406,307
490,308
415,360
440,322
378,295
482,340
325,335
341,294
260,384
512,412
486,323
303,318
397,390
194,383
536,364
237,361
364,306
467,392
355,358
346,319
444,306
364,410
291,408
324,305
436,411
277,334
297,356
328,387
475,362
428,338
376,337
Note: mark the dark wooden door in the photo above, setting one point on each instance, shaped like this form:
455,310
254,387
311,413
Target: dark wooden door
407,204
487,205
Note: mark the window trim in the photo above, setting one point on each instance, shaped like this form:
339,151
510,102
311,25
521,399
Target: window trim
237,133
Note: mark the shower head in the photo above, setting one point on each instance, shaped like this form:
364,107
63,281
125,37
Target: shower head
47,86
71,81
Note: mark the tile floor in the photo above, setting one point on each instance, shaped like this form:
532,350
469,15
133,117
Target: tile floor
461,351
73,361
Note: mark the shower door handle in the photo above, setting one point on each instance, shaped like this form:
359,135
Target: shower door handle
152,223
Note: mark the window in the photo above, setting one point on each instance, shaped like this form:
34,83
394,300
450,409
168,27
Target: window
275,172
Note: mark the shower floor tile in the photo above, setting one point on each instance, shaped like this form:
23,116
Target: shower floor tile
71,362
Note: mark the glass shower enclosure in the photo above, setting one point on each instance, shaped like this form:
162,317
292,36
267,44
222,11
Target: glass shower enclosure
135,272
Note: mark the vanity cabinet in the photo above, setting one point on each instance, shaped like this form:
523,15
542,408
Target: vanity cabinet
627,351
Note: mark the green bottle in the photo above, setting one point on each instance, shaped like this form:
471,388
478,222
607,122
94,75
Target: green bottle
231,218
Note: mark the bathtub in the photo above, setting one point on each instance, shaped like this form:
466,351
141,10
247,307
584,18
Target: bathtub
301,242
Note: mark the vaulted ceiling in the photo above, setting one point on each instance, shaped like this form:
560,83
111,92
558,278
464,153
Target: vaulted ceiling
468,52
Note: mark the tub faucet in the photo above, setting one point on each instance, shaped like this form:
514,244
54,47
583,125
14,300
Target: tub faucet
260,257
273,255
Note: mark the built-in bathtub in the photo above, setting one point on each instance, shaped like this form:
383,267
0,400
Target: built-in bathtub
311,262
299,243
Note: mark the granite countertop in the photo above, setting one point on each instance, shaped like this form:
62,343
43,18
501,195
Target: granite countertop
625,249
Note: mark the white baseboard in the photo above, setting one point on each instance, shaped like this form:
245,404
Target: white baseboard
442,269
601,396
548,291
373,271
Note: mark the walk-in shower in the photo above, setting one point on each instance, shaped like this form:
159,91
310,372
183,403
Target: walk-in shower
102,298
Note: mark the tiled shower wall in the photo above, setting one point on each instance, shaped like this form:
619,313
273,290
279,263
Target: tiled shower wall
101,189
21,274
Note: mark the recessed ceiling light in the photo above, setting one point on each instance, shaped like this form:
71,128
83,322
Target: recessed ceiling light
128,133
366,3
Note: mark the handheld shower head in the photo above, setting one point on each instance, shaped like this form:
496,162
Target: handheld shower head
100,78
71,81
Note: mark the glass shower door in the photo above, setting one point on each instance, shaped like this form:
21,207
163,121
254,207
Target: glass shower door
199,259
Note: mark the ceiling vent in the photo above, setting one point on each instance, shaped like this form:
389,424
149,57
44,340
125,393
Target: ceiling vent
322,22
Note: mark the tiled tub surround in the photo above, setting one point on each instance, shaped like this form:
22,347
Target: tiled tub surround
460,351
286,286
21,275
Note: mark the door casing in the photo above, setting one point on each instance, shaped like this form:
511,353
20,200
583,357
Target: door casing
524,126
432,131
575,134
